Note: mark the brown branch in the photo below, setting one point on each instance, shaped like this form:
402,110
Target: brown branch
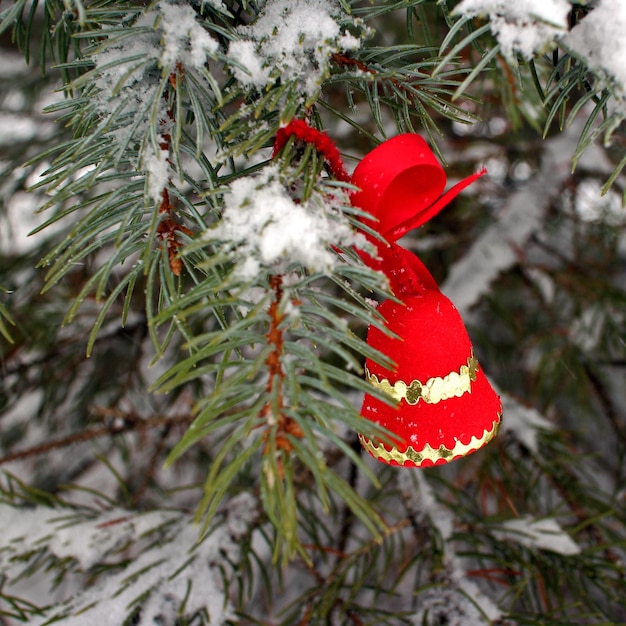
168,228
121,424
274,415
345,61
166,232
275,335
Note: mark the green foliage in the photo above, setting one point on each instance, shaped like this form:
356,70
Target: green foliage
564,89
220,406
5,318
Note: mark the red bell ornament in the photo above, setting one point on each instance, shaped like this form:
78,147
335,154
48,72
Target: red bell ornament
445,407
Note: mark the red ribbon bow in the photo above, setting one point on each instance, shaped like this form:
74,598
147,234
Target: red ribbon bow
400,184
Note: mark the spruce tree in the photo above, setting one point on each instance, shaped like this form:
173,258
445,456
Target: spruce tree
184,332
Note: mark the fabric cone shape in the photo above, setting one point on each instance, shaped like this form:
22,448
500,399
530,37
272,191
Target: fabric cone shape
446,407
440,405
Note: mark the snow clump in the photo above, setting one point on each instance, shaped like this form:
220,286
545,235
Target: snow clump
531,27
525,26
161,37
292,40
184,39
543,534
130,72
266,229
599,40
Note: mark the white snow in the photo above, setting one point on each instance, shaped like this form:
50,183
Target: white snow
11,64
176,37
216,4
155,164
164,36
242,511
171,571
292,40
525,26
545,534
124,79
254,70
599,40
531,27
522,421
591,206
441,517
461,602
184,39
450,606
17,128
21,218
87,541
265,228
589,328
130,74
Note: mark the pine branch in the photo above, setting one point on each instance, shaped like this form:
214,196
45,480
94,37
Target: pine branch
168,185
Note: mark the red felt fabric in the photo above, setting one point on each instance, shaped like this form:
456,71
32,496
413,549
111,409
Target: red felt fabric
406,273
432,342
400,184
397,180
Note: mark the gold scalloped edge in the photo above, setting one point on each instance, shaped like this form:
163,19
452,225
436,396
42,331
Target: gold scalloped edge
434,390
428,453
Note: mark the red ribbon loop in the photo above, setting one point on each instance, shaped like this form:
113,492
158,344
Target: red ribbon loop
322,142
400,184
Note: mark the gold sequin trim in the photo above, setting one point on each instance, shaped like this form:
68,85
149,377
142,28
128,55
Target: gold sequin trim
428,453
434,390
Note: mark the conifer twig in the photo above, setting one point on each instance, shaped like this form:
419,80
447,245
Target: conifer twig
273,410
167,228
345,61
122,423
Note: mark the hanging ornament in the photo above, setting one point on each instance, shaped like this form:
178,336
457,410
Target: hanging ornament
444,407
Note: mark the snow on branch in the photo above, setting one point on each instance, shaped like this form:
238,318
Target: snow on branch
532,27
263,227
523,422
599,41
527,27
166,35
495,250
125,79
293,40
154,562
184,39
544,534
132,69
460,601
